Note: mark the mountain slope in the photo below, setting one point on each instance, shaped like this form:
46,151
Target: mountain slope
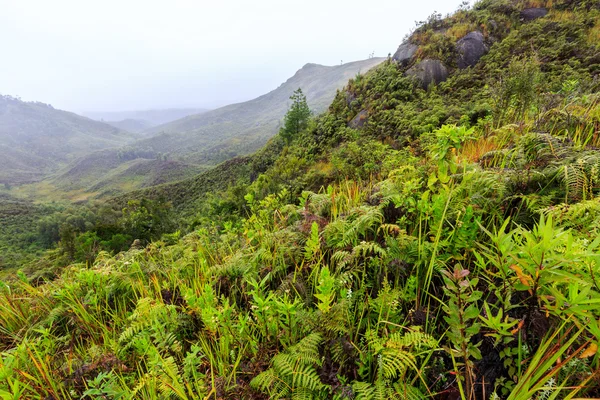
391,105
205,139
36,139
110,172
241,128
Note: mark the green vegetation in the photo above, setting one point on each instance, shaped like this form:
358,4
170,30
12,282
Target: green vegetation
297,117
444,244
20,242
43,239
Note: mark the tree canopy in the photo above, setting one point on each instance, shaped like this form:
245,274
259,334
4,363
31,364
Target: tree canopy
297,116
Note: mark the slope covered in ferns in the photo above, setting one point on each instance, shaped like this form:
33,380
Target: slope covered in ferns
441,245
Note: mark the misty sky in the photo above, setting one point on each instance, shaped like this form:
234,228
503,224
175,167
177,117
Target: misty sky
113,55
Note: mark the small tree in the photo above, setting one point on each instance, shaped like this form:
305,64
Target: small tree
147,219
297,116
67,239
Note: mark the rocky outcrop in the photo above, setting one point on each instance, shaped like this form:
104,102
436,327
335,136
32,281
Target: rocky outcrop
359,120
350,97
530,14
429,71
405,53
470,49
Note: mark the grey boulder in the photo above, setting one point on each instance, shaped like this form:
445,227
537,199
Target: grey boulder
429,71
530,14
470,49
359,120
405,53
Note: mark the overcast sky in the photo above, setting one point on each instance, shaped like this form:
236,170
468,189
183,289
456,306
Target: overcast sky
115,55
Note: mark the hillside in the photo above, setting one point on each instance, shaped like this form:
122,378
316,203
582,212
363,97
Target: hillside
18,242
112,172
238,129
387,110
433,235
36,139
200,141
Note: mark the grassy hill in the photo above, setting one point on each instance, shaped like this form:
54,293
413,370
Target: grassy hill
36,139
433,235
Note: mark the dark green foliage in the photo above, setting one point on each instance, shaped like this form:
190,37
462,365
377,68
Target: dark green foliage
19,242
296,119
146,220
517,90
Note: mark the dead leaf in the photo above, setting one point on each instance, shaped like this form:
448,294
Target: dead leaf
525,279
590,351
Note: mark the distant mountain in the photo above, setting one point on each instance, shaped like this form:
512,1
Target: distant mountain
242,128
202,140
131,125
37,139
148,117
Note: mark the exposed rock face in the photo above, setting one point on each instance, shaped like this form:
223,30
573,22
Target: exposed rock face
350,97
470,49
359,120
429,71
405,53
529,14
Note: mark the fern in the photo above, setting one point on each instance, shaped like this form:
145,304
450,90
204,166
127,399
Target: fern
580,178
541,148
378,391
151,322
318,204
293,372
585,214
368,249
361,222
395,355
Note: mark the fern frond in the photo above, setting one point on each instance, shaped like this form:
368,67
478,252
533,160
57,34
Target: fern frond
363,391
395,361
293,371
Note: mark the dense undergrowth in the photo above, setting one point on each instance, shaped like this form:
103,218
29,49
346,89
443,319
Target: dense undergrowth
445,248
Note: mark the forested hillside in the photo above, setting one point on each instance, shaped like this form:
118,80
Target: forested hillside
142,164
36,139
433,234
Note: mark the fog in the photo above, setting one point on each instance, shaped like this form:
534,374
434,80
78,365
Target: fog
115,55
